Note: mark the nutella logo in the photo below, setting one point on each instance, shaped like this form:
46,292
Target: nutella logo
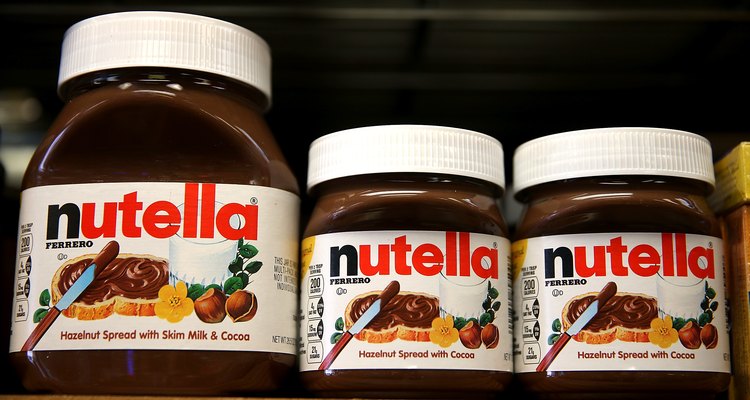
454,257
200,216
671,258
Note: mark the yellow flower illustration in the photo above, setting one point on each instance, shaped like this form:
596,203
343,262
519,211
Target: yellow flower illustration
662,333
173,302
443,333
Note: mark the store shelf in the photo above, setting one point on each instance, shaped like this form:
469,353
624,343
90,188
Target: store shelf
514,70
83,397
87,397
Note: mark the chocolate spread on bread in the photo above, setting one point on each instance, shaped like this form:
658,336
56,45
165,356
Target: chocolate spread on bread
410,310
131,277
622,310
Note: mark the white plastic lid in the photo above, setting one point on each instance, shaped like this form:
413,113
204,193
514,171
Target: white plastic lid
166,39
612,151
405,148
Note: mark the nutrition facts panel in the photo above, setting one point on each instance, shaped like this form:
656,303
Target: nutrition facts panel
530,320
23,284
313,314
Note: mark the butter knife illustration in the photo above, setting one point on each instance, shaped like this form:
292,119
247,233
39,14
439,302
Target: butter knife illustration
586,316
105,256
385,296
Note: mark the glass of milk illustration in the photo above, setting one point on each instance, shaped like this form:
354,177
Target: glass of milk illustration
680,296
462,296
202,260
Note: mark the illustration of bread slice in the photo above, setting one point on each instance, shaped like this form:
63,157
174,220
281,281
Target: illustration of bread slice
626,317
129,285
408,316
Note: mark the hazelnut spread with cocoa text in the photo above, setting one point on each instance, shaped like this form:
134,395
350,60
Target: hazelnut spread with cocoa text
405,262
158,236
624,210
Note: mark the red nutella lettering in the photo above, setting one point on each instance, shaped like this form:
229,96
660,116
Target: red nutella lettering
454,257
160,219
672,258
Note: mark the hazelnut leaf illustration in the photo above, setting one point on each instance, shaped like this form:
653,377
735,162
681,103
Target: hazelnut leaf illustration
233,284
195,290
44,298
248,251
253,267
39,314
236,265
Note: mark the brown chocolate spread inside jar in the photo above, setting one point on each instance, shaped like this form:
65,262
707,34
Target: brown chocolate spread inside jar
164,128
650,199
364,199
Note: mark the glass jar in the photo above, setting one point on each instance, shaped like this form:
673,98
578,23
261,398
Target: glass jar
617,232
161,171
405,262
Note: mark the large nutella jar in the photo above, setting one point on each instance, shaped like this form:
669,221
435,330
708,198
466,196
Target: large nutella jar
158,235
618,271
405,265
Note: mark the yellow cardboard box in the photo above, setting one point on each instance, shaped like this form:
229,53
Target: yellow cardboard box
731,201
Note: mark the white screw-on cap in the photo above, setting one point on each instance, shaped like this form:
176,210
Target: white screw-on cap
612,151
405,148
166,39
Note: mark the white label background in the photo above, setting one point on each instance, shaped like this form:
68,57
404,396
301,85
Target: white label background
272,329
709,360
497,359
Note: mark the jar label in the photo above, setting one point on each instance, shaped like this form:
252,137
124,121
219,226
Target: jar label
667,312
405,300
200,266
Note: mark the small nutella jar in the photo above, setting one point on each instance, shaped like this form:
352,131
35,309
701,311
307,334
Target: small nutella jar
405,265
618,271
158,236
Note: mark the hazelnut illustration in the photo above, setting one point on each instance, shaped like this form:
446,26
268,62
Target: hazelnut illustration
241,306
470,335
690,336
490,336
209,307
709,336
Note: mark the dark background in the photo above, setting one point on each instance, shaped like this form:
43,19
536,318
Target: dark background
512,69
